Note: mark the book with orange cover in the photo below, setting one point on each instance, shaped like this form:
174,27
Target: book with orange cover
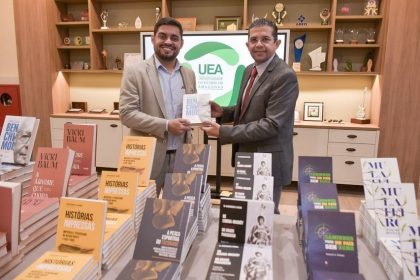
9,214
81,138
58,265
137,154
51,173
119,189
17,139
81,227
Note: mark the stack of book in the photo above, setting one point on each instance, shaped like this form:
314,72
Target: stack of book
160,242
119,190
390,256
245,235
194,158
10,255
81,138
185,187
78,247
136,155
311,170
16,144
374,172
39,209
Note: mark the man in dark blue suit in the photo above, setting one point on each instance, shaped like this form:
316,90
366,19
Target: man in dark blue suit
264,115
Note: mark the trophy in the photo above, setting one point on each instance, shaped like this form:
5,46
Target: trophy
361,112
157,14
354,34
279,13
324,15
339,36
298,45
104,18
317,57
137,23
370,36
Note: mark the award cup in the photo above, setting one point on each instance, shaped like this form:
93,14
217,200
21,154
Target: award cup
324,15
361,112
104,18
298,46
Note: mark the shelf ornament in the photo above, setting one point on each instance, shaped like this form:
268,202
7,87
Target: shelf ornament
298,44
317,57
371,8
137,23
157,14
104,18
325,14
279,13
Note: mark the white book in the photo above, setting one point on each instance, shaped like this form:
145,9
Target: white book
196,108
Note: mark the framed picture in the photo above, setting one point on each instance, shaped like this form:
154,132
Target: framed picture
132,58
188,24
227,23
313,111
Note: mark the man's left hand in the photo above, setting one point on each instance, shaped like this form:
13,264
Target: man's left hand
211,128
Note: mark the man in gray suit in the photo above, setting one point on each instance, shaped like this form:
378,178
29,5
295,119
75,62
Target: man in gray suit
151,97
264,115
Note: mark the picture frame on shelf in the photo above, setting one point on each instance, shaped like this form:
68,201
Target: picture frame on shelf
188,23
313,111
227,23
132,58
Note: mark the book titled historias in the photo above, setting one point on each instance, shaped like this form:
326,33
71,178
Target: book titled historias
81,138
137,155
17,139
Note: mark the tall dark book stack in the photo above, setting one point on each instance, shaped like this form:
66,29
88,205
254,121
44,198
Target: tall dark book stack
194,158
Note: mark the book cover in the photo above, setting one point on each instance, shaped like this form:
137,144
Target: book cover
253,164
17,139
114,223
318,196
254,187
81,138
410,248
315,169
332,242
196,108
137,154
119,189
10,171
333,275
153,270
58,265
376,171
81,227
393,202
183,187
162,230
51,172
234,261
246,221
10,195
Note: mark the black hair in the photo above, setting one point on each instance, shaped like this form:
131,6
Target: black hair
264,22
168,21
260,217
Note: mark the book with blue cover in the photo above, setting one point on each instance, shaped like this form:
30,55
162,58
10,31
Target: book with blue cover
332,242
333,275
315,169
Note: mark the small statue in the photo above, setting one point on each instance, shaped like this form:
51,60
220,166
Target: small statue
157,14
371,8
361,113
254,18
324,15
317,57
104,17
84,15
279,13
118,62
104,54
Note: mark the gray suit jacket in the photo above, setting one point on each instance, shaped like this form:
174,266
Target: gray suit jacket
266,125
142,107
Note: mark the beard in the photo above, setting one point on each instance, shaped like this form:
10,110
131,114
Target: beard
166,55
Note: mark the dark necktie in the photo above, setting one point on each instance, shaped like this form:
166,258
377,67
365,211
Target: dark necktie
245,100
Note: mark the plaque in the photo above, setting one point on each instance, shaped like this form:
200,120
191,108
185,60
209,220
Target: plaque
298,43
279,13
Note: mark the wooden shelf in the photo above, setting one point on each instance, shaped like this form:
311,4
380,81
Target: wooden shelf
357,46
124,30
330,73
358,18
310,26
72,23
103,71
73,47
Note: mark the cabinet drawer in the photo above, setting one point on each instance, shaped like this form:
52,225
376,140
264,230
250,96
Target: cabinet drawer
59,122
352,136
347,170
349,149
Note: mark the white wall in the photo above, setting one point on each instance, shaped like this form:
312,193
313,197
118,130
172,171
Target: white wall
8,55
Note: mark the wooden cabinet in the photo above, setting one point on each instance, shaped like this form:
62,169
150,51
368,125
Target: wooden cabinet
122,37
108,142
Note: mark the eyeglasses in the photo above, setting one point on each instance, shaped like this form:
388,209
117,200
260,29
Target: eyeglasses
264,40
